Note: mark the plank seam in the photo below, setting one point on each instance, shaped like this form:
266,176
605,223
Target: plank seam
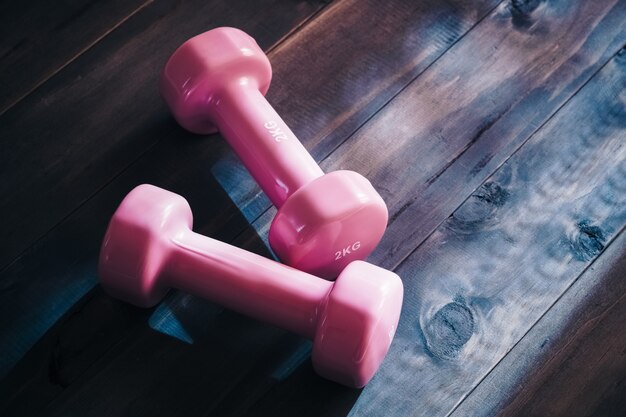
386,103
515,151
282,40
412,80
458,404
291,34
78,207
54,72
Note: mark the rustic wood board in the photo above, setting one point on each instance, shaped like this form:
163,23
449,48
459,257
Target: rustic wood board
501,260
572,362
92,220
79,134
450,128
38,38
368,51
575,351
84,333
102,349
88,123
161,164
356,56
114,143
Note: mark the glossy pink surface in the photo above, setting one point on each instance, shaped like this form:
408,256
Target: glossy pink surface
149,247
358,324
330,222
218,80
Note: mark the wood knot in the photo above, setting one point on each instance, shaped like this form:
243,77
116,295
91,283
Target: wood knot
448,330
492,193
521,12
588,241
480,208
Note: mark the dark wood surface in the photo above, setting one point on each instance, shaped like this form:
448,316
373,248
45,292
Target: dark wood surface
39,38
495,131
561,350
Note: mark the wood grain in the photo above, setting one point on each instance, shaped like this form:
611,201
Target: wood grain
30,295
358,55
112,113
39,38
492,90
160,165
55,363
75,125
361,54
84,126
572,362
430,147
493,268
83,336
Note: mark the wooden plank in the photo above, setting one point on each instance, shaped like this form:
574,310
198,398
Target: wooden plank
39,38
90,329
367,51
31,297
302,393
111,112
571,358
476,286
163,162
81,352
77,132
32,305
430,147
148,172
571,363
94,140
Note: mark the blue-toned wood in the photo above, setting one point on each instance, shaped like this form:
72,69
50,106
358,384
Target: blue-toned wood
103,111
87,125
500,261
572,361
494,130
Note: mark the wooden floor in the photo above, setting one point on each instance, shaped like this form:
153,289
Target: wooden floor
494,130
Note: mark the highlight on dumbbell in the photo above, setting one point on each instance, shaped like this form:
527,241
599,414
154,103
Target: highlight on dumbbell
217,81
149,247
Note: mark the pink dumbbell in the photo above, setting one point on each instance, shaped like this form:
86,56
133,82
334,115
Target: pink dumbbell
217,80
149,247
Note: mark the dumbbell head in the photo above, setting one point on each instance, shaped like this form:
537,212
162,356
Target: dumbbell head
203,65
357,324
134,252
324,222
329,223
149,247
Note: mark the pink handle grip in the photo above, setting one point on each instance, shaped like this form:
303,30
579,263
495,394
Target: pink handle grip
246,282
269,149
150,247
217,81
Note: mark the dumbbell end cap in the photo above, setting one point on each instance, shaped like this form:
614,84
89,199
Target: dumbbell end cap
197,71
357,324
136,244
328,223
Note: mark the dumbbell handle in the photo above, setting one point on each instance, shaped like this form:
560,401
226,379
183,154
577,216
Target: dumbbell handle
246,282
269,149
